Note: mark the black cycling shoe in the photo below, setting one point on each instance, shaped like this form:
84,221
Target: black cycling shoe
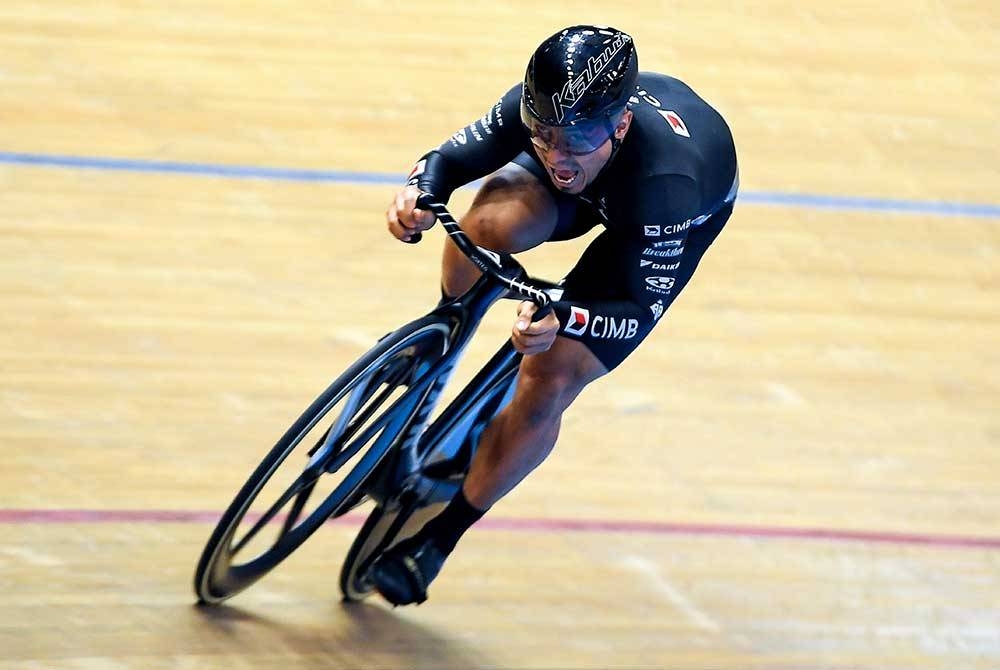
403,573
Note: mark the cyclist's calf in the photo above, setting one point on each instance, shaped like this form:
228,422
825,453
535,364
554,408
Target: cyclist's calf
522,436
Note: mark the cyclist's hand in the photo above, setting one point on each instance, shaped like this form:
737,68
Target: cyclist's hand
404,219
533,338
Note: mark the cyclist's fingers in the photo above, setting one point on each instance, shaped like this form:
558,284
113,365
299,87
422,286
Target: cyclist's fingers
532,343
402,202
402,209
545,339
547,324
529,339
535,336
392,218
392,213
529,349
423,219
407,212
399,231
524,311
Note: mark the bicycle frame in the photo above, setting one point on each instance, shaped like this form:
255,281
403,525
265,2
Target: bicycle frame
415,475
409,465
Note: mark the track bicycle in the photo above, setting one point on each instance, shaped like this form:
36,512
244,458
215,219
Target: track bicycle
369,437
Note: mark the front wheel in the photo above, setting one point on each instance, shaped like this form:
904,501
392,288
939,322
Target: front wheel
338,442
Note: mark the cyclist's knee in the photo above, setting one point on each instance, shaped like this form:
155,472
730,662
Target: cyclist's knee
550,381
540,398
546,395
511,212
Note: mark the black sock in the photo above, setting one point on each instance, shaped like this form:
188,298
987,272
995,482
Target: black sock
447,527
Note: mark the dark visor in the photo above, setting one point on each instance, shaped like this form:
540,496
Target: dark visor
581,138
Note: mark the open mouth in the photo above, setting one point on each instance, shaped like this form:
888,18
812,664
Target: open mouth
564,177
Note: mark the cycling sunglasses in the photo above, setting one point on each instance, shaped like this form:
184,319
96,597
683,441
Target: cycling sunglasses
579,139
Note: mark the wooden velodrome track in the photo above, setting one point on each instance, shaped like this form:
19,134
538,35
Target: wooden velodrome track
800,468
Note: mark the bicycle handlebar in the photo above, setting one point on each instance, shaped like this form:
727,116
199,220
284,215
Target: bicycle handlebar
489,262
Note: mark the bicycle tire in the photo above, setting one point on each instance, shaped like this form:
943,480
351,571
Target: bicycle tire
384,526
418,345
377,529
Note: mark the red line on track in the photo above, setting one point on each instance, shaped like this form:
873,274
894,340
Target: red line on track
105,516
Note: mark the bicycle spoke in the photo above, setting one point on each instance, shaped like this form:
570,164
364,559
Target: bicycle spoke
418,386
297,486
355,398
347,453
338,432
300,502
372,407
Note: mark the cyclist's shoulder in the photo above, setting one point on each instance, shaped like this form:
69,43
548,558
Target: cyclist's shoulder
507,110
660,98
674,131
658,82
512,96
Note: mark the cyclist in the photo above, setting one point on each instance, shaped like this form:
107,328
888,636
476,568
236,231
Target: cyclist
585,140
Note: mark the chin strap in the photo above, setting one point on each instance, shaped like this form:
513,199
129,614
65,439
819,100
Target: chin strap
615,145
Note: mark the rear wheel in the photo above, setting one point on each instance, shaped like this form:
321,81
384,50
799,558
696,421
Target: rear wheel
320,467
444,464
382,529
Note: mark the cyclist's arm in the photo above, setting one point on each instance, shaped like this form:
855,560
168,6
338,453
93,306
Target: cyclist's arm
650,255
485,145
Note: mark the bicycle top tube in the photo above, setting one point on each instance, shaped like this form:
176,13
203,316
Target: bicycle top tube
500,267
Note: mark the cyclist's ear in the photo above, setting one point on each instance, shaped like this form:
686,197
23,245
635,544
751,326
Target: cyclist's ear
623,125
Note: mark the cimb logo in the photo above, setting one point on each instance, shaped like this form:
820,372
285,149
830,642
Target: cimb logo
604,327
579,318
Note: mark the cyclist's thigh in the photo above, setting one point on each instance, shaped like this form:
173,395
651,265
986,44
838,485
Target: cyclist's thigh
593,280
517,208
512,211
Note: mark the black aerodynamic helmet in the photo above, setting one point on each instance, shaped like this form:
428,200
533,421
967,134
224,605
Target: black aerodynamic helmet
581,77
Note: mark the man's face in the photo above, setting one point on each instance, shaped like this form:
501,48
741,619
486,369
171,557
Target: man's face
569,158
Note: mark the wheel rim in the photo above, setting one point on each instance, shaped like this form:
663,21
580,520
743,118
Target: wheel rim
237,563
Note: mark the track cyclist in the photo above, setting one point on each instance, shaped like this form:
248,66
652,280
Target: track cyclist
584,140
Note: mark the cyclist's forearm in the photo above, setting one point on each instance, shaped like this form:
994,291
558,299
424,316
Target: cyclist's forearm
483,146
435,173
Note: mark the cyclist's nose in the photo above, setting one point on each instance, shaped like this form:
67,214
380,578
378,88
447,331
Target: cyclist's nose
555,155
559,156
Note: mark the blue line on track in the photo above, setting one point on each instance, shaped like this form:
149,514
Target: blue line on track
200,169
805,200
